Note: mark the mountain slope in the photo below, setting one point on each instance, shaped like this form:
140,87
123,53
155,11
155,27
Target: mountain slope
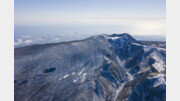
100,68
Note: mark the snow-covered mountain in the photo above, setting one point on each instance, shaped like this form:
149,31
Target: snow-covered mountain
100,68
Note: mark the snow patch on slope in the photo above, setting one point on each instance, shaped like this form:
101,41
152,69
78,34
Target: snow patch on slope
113,38
81,72
83,77
159,65
67,75
159,81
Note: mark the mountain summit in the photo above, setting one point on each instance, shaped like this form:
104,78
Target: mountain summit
100,68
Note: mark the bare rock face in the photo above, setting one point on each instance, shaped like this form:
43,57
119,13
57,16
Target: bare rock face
101,68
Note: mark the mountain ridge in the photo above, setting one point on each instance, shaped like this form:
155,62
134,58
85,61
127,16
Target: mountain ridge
101,68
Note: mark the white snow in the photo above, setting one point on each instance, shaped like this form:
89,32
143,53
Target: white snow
73,73
137,44
130,76
157,76
83,77
122,85
161,48
113,38
81,72
118,90
28,41
145,48
159,65
109,61
75,80
148,47
159,81
65,76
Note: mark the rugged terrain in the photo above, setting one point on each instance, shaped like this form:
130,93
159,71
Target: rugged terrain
101,68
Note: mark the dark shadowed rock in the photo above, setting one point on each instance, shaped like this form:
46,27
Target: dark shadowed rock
48,70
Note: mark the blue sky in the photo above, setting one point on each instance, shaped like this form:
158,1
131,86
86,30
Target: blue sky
38,10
